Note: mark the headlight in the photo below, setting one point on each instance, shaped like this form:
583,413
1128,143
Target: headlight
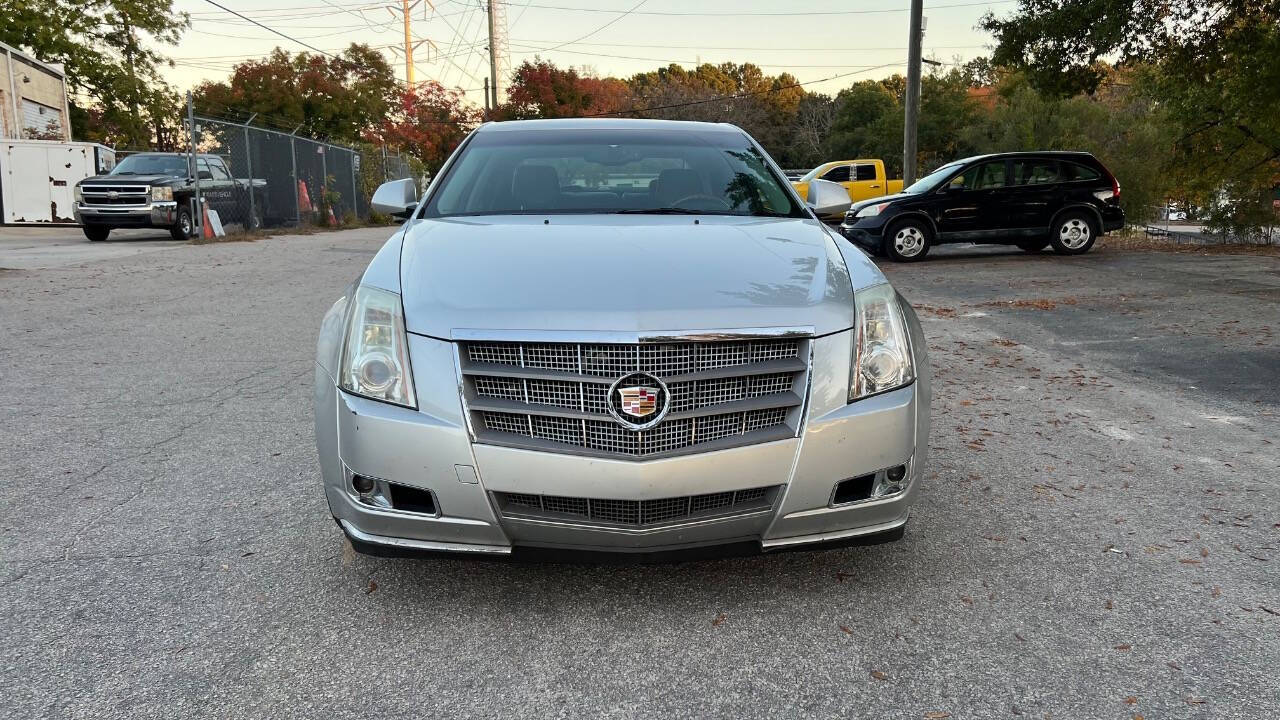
375,354
882,350
872,210
79,193
159,194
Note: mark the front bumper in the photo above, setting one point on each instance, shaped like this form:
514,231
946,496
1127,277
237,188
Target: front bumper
432,449
161,214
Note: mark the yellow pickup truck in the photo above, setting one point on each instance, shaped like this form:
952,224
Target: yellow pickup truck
863,179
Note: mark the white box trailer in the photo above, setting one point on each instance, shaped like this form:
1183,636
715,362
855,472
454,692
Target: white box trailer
38,178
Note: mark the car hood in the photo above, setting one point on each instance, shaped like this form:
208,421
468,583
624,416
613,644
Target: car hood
622,274
128,179
876,201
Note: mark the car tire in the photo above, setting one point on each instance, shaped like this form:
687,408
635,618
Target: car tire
1073,233
96,233
1033,246
907,240
182,229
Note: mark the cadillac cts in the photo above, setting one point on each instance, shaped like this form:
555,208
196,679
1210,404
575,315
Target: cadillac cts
618,335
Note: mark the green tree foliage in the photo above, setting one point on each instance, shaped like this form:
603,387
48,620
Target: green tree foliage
109,50
337,98
1212,66
869,120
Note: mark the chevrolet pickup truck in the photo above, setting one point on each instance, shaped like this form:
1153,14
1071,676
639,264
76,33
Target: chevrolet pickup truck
155,190
863,179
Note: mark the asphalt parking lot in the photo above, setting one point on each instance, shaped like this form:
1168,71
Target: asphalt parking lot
1099,536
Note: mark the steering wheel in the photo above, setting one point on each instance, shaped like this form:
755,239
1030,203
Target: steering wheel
719,202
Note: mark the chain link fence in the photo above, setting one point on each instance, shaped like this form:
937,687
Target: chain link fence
253,177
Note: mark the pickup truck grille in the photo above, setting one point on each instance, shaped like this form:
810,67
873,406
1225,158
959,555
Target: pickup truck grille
123,194
556,396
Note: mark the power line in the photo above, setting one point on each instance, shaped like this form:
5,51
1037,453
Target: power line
271,30
789,13
602,27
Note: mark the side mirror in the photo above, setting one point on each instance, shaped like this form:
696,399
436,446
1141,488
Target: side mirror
205,175
953,188
827,198
397,198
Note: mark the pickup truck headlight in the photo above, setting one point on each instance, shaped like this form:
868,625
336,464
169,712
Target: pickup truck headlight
375,353
882,350
79,193
161,194
872,210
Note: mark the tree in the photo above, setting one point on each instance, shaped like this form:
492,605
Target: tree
1211,64
539,89
109,49
337,98
428,122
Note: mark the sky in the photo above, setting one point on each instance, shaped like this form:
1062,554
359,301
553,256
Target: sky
828,44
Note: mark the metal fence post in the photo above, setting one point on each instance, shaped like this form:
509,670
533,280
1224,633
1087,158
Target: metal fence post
324,182
248,166
385,178
355,192
293,157
192,166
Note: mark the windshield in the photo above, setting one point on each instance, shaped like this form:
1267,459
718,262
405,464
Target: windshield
610,170
174,165
930,181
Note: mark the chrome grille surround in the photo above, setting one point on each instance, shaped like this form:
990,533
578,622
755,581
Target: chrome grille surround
724,391
126,195
635,513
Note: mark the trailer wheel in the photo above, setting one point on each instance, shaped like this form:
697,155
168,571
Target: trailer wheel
96,233
181,229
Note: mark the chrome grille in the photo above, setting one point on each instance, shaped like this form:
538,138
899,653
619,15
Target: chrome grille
635,513
556,394
125,194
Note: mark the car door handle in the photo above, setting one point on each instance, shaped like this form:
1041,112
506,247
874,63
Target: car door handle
875,186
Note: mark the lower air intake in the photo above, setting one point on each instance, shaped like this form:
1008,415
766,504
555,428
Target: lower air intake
636,513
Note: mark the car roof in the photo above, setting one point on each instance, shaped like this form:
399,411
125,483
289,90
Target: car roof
1026,153
607,124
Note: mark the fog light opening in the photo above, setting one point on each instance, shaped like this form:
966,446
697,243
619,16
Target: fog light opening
891,482
363,485
853,490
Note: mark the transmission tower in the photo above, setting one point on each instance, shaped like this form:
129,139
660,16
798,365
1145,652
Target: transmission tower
499,52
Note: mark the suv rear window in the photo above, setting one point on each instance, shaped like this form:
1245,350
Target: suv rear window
1075,171
1035,172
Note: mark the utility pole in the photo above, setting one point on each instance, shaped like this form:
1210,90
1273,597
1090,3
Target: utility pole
498,57
488,111
408,45
912,110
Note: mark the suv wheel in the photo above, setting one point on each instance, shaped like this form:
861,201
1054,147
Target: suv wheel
96,233
1073,234
907,241
181,229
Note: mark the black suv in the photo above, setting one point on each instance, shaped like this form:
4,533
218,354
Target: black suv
1028,199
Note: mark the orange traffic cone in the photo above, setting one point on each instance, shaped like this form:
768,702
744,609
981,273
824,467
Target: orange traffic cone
206,229
333,221
304,198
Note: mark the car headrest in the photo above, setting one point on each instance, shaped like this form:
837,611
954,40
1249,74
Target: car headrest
536,187
678,183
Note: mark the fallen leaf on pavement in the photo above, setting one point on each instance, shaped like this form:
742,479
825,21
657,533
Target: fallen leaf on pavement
1131,700
1124,646
1196,701
846,629
936,715
373,585
1109,604
879,675
719,620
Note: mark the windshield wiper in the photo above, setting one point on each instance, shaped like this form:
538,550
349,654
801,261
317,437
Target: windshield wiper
663,211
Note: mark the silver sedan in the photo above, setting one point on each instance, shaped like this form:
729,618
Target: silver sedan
618,335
